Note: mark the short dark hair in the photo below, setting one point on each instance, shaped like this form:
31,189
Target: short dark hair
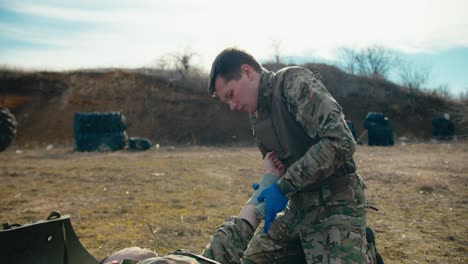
227,65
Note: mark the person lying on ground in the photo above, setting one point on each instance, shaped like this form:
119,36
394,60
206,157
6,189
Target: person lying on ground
229,241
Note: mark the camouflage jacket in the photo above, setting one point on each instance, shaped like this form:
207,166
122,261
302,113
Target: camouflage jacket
318,115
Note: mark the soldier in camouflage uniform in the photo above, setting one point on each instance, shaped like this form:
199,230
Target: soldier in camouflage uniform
320,199
294,115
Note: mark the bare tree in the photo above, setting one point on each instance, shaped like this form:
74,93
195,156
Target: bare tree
183,62
375,61
350,65
163,63
463,95
442,90
276,46
412,76
380,60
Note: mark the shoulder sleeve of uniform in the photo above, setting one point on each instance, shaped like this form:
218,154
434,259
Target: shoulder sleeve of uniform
308,99
229,241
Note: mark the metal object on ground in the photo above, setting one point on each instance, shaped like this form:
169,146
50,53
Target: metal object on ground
379,130
50,241
442,128
96,131
138,143
7,128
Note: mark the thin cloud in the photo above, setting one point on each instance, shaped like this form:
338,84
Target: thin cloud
152,28
78,14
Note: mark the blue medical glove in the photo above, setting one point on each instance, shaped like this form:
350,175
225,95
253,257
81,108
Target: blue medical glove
255,185
266,180
275,202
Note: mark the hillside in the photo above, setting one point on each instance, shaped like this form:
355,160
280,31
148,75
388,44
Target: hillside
169,113
44,104
411,112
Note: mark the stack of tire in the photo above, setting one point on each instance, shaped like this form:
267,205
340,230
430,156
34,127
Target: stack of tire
7,128
99,131
442,128
351,127
379,129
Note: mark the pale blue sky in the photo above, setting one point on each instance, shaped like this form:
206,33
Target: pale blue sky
62,35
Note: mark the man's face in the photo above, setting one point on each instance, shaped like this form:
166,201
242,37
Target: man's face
241,95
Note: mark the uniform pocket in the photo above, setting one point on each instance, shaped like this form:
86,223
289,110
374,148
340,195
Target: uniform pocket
348,191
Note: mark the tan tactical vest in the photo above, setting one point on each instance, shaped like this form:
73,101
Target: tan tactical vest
276,129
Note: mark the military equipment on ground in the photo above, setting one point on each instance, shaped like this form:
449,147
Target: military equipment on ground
351,127
442,128
50,241
138,143
370,237
99,131
7,128
379,129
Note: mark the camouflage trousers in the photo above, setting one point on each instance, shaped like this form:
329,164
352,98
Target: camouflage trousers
323,226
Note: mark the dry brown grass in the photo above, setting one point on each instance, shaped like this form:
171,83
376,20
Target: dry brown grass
167,198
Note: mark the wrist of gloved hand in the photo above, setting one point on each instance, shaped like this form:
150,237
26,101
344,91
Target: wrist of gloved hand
267,180
260,211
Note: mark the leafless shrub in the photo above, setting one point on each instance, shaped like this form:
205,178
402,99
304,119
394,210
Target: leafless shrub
463,95
412,76
179,69
180,62
442,90
276,47
375,61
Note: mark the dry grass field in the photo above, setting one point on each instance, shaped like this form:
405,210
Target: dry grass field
171,198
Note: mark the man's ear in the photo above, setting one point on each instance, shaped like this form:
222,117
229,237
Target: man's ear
248,70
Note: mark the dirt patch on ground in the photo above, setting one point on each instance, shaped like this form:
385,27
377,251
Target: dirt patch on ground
171,198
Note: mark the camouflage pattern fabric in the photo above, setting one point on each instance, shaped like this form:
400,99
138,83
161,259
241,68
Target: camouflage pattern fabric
326,224
170,259
228,243
321,117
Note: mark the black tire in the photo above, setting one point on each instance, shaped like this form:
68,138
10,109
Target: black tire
86,142
350,125
137,143
373,119
112,141
380,135
370,237
7,128
372,136
95,131
442,129
95,122
100,142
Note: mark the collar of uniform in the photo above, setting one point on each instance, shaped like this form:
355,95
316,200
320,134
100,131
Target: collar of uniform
267,82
